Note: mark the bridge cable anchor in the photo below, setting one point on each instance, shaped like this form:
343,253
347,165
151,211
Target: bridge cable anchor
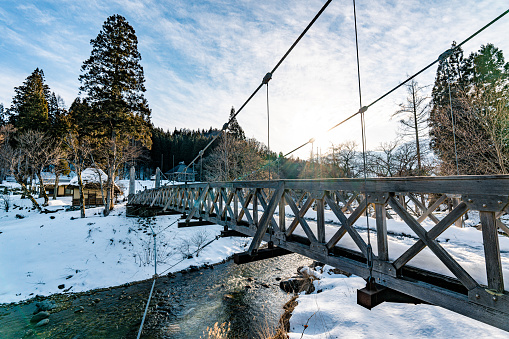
267,78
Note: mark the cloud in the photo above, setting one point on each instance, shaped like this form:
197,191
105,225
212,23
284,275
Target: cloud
201,58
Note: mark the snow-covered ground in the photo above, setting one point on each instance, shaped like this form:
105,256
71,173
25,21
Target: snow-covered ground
41,252
333,313
54,252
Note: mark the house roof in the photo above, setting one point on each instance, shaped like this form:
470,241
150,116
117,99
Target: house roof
180,168
90,176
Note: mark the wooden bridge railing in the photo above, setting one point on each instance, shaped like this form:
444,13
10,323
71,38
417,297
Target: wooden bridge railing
259,209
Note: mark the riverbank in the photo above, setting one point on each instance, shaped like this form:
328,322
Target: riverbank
57,251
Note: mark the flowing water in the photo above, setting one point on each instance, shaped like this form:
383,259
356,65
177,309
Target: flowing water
247,298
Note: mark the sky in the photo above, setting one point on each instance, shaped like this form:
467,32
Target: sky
200,58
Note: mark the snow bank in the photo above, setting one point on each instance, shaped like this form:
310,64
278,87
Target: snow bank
332,312
40,252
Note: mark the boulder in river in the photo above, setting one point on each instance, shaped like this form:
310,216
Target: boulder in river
45,305
39,316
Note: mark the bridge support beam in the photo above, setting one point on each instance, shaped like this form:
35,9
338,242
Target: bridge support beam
373,295
262,254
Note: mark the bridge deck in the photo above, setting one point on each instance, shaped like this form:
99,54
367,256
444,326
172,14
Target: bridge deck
259,209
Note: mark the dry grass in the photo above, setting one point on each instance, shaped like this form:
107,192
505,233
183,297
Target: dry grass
217,331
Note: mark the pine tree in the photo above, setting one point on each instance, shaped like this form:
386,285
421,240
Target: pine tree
29,110
234,128
3,116
113,81
478,86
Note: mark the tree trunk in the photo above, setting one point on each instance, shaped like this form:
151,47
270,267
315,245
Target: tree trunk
42,190
101,186
55,191
27,193
82,194
111,172
416,132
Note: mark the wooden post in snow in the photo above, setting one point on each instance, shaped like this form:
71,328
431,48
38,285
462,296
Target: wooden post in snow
132,184
158,177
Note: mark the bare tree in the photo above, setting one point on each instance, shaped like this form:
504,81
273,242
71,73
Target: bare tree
78,155
110,156
415,112
41,150
393,159
14,159
481,132
344,159
234,158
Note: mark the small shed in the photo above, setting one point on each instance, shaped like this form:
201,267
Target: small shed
179,173
91,187
63,190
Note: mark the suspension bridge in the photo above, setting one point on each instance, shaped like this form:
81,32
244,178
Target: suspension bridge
278,212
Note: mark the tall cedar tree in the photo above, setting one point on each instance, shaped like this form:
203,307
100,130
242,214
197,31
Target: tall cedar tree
470,81
29,110
114,83
234,128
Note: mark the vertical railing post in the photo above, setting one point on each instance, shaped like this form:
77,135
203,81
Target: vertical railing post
132,183
320,221
282,213
236,204
158,178
220,198
459,222
255,207
492,251
381,231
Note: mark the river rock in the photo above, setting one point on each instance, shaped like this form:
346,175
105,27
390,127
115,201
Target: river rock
39,316
43,322
79,309
45,305
297,285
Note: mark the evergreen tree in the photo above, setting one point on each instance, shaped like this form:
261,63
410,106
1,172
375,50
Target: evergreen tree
29,110
477,86
3,115
113,81
234,128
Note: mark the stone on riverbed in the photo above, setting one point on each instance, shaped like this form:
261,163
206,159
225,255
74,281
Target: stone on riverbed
46,305
39,316
42,322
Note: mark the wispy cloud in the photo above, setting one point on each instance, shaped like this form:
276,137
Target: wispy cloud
202,57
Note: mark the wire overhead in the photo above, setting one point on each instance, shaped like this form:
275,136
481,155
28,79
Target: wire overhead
361,110
265,80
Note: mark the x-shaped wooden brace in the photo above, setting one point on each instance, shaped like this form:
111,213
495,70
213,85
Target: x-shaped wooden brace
198,203
265,219
429,239
245,203
263,202
347,225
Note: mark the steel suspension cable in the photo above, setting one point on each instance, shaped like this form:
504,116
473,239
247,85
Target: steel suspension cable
369,252
265,80
268,127
365,108
452,115
445,54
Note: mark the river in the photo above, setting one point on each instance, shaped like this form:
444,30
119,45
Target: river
247,298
